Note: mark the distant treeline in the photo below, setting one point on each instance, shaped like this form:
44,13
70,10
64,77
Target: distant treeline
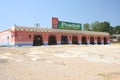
102,27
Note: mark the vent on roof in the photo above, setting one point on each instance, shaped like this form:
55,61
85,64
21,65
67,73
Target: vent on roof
37,25
15,25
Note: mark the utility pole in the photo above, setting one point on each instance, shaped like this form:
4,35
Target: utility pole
37,25
117,35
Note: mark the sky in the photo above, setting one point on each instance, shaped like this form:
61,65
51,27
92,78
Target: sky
29,12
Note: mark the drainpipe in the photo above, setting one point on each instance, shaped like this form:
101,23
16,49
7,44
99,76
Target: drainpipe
7,40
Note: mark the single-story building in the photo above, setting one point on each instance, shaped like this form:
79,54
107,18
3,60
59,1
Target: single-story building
33,36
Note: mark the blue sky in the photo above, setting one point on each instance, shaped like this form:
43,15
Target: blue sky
29,12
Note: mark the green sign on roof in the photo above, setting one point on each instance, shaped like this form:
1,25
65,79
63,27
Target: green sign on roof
69,25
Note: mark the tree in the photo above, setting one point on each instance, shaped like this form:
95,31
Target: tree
102,27
117,29
112,30
86,26
95,26
105,26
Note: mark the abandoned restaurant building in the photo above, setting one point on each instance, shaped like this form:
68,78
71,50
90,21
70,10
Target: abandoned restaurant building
61,33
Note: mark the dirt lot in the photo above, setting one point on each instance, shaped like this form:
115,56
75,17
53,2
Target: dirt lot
60,62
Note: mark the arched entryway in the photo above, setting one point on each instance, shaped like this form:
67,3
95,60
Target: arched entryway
99,40
105,40
74,40
52,40
64,40
92,40
37,41
84,40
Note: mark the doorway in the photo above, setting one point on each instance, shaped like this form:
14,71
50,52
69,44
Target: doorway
91,40
64,40
84,40
99,40
37,41
74,40
52,40
105,40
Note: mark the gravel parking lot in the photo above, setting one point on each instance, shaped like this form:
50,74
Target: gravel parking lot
60,62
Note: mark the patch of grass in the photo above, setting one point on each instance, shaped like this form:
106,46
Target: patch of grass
103,75
3,60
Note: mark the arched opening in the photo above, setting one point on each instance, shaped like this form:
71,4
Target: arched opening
74,40
84,40
99,40
91,40
37,41
52,40
105,40
64,40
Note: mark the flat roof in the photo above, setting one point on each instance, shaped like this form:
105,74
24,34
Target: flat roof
35,29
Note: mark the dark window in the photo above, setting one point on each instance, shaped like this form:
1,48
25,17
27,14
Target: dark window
29,36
